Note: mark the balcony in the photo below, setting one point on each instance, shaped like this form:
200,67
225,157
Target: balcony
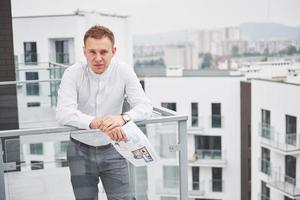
264,166
25,175
265,131
209,158
263,197
287,185
287,144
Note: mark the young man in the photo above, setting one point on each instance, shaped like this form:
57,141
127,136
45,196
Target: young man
91,96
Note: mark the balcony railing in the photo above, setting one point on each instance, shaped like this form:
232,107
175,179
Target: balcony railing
264,166
285,184
209,157
287,143
26,176
263,197
266,131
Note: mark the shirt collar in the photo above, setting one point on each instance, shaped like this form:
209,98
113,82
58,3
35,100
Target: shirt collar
104,74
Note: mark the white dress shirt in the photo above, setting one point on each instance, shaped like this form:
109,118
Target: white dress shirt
84,95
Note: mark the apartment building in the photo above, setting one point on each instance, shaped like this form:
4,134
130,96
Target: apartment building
214,140
275,140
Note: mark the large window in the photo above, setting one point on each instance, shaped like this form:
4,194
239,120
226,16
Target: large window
30,53
195,175
265,191
171,176
169,105
32,88
265,160
216,117
194,114
291,129
208,147
62,51
290,169
217,179
266,124
36,149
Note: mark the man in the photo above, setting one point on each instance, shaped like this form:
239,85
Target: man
91,96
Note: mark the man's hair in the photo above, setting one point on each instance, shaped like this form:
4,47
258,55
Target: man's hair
99,32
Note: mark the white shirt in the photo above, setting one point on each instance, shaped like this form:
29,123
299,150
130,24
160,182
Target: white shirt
84,95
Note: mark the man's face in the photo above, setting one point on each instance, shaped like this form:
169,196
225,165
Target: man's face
98,53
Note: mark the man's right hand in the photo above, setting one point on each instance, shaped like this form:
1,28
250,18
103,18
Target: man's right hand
96,123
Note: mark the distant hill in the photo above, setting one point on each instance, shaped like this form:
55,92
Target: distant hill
268,31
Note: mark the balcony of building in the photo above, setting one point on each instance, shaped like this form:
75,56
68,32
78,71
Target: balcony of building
263,197
34,164
209,158
284,143
264,166
285,184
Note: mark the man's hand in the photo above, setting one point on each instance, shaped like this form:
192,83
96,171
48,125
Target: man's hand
117,134
111,122
96,122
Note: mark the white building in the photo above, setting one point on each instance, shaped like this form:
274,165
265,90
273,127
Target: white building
213,106
275,140
273,70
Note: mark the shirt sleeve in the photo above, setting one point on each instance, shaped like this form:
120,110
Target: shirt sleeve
66,111
141,107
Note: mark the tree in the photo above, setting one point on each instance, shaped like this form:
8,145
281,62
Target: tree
235,51
207,61
291,50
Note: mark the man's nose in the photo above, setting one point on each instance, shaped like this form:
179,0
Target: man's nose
98,57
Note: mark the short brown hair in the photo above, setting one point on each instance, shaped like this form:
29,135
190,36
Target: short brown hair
98,32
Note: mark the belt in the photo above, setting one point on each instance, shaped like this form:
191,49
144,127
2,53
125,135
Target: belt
107,146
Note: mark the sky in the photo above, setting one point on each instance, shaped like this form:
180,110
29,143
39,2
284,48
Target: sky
156,16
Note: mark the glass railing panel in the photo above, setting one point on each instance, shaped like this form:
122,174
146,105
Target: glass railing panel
42,169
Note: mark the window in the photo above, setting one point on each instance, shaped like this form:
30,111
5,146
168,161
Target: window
171,176
290,169
64,146
35,165
216,119
265,124
291,129
30,54
36,149
171,106
287,198
194,113
265,160
62,51
265,191
217,179
208,147
195,175
33,104
32,89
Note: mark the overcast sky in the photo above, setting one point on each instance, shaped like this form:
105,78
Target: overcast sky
154,16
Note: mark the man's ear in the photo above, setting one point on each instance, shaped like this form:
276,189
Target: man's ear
114,50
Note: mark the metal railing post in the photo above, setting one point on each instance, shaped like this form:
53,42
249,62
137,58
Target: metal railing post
2,183
183,161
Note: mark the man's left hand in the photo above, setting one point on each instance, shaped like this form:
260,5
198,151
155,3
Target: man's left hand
110,122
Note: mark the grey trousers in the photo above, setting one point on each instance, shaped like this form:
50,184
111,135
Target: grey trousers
88,164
